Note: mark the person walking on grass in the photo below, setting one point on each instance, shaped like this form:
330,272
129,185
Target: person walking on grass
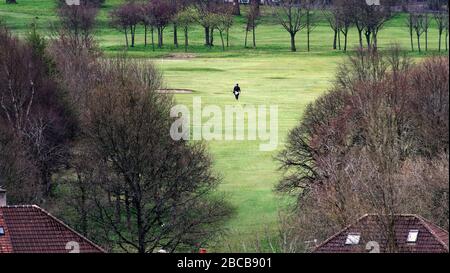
237,91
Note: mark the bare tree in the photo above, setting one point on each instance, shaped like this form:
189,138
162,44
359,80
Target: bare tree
360,19
440,17
290,15
149,191
185,19
78,22
375,17
126,18
224,17
17,172
252,22
163,13
410,24
311,18
205,8
148,21
345,16
418,21
33,108
332,15
446,32
426,26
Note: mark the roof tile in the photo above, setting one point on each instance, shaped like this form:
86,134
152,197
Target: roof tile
30,229
431,238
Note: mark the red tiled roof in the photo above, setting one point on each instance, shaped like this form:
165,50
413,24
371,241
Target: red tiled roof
30,229
5,240
431,238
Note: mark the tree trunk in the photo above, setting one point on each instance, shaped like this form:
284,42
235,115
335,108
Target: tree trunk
254,37
375,40
418,43
132,30
207,40
411,35
246,38
335,40
47,182
140,228
160,37
186,39
426,31
446,40
127,209
440,40
211,37
345,41
339,39
308,29
153,38
228,37
360,39
83,210
145,35
368,34
126,37
223,40
175,35
293,47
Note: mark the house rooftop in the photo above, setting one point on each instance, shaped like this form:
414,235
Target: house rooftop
30,229
413,234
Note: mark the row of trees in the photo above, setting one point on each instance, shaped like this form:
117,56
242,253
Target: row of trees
88,139
418,24
378,142
293,15
157,15
369,20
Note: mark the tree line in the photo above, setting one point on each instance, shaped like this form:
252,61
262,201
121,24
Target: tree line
293,15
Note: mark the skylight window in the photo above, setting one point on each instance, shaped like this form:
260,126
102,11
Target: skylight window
412,236
2,231
353,239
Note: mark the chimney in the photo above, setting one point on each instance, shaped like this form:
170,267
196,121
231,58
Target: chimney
2,197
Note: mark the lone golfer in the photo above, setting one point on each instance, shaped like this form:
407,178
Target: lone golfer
237,91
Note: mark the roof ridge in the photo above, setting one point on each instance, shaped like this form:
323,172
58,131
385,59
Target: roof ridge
427,224
66,226
17,206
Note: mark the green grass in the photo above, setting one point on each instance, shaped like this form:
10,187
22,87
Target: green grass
248,174
270,74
